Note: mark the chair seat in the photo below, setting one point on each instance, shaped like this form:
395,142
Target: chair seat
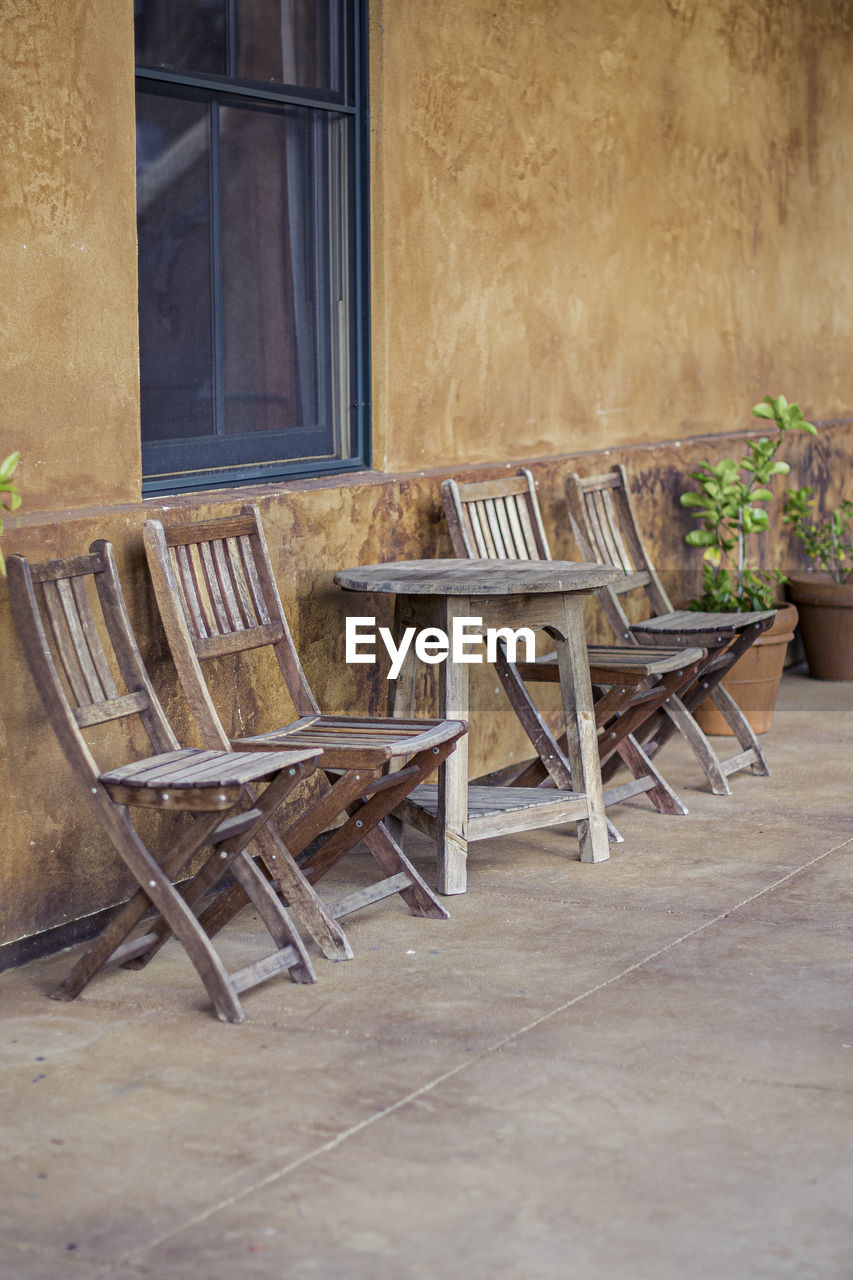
688,623
355,741
613,664
186,779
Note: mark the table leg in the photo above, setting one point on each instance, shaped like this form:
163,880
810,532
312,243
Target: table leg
453,775
452,818
401,704
582,739
402,692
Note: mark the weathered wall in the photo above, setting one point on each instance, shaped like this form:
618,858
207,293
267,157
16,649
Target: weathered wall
606,222
592,227
55,865
589,224
69,394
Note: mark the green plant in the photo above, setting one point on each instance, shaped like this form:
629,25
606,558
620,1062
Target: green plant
828,543
10,498
730,505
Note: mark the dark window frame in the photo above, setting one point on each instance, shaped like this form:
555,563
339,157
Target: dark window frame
174,466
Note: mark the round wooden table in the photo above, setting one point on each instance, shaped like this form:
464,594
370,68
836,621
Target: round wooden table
540,595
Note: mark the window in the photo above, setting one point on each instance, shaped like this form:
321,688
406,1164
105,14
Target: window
251,211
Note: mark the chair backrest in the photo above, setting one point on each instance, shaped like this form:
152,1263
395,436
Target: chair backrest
496,519
605,528
73,670
217,595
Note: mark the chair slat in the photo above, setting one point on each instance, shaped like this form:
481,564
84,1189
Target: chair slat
516,532
619,530
199,576
495,529
212,589
489,549
479,490
189,593
238,579
610,547
68,633
83,637
151,767
222,566
502,517
625,521
238,641
90,636
472,514
253,581
531,542
112,709
64,647
233,526
593,523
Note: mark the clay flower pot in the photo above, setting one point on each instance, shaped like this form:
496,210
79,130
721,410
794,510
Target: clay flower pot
826,623
754,680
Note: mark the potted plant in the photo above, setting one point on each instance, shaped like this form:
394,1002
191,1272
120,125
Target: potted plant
824,595
730,501
10,498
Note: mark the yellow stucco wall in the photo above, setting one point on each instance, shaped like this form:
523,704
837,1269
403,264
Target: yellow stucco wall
620,222
592,227
69,395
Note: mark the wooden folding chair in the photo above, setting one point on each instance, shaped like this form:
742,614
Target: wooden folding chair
500,520
217,596
606,528
78,667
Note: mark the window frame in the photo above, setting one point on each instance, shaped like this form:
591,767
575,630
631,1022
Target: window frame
223,90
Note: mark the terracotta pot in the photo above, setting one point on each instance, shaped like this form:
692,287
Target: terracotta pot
754,680
826,623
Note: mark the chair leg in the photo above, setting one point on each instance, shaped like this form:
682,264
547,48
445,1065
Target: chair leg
300,894
179,919
296,892
417,894
128,916
257,890
741,728
552,760
175,907
270,909
662,796
366,823
680,718
679,715
396,829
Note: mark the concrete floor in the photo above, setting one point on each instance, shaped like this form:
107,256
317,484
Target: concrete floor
639,1070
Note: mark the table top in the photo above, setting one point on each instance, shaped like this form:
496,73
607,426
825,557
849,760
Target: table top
478,577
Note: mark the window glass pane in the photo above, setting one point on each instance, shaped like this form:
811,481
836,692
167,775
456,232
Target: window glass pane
296,42
173,214
250,268
285,249
183,35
